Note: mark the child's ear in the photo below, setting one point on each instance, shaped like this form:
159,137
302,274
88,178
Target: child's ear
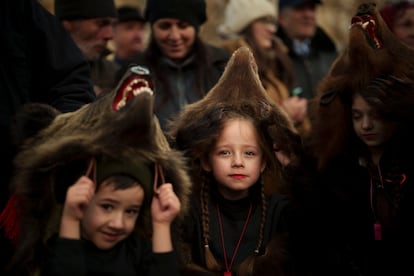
205,165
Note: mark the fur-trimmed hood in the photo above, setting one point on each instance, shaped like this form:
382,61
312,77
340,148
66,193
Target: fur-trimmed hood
119,125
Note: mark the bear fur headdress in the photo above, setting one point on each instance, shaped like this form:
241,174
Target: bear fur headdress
193,131
373,51
120,125
241,90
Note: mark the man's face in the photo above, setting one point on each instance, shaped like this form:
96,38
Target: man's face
299,22
91,35
129,38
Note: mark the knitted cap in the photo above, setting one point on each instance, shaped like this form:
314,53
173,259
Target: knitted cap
293,3
240,13
140,171
84,9
191,11
130,13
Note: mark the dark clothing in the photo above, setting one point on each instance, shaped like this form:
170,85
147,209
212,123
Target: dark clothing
181,80
233,217
39,62
130,257
103,74
310,69
356,196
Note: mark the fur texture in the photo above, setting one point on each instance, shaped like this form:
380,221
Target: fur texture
237,89
195,130
372,51
118,125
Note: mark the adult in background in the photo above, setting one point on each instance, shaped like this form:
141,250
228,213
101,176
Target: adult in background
39,63
399,17
129,34
183,66
311,50
256,30
89,22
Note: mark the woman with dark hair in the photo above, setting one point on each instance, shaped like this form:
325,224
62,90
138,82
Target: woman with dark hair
183,67
256,30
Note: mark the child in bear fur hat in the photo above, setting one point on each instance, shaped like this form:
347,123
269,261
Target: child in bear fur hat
236,223
96,191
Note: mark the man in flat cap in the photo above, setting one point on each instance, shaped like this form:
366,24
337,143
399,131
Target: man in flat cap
130,34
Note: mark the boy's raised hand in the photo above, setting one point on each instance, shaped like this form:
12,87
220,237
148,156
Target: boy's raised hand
165,205
78,197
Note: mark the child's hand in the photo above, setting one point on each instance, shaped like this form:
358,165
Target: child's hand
165,205
78,197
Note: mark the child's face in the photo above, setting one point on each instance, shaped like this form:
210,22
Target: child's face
236,160
111,215
368,124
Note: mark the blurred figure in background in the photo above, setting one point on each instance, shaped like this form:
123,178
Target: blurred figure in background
399,16
39,63
90,24
311,50
256,29
183,67
129,34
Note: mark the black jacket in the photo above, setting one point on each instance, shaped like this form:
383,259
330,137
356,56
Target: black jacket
39,62
311,69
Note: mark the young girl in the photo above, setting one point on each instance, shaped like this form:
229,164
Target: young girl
234,225
367,186
96,233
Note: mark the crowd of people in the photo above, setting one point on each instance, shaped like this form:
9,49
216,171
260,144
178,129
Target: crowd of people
135,147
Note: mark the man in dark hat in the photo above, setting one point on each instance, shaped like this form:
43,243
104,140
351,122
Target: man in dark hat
311,50
129,34
90,24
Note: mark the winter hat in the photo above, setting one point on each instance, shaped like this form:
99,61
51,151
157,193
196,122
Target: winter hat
138,170
240,13
294,3
130,13
192,11
84,9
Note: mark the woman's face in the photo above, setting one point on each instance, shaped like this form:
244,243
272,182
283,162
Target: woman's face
263,31
403,26
369,126
174,37
236,161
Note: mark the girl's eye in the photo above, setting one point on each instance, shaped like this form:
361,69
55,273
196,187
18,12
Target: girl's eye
250,153
356,115
223,152
107,207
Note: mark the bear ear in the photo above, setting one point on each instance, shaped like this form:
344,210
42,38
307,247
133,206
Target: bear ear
239,82
31,119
